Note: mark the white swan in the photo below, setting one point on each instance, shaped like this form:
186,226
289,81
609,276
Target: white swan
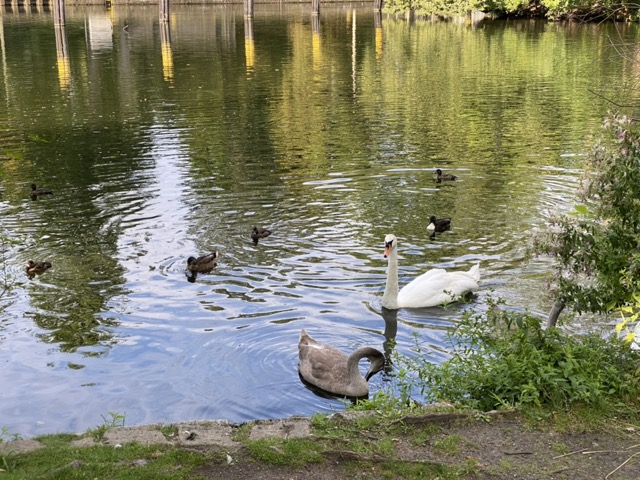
434,287
329,369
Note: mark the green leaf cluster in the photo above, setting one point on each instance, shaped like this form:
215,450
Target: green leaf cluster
448,8
507,359
596,248
552,8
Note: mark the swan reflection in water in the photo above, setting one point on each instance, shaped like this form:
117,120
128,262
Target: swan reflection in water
390,331
329,373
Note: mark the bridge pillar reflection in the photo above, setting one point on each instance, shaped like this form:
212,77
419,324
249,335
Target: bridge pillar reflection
164,11
59,17
248,8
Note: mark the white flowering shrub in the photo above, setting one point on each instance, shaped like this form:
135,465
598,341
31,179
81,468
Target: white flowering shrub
597,247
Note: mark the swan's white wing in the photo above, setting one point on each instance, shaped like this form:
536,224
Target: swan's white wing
436,287
474,272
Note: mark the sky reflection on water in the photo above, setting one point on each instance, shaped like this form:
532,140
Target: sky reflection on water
329,142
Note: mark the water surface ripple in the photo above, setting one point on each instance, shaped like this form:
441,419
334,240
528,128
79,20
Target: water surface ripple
329,137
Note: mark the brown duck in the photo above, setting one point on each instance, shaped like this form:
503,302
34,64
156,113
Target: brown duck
36,268
203,264
259,233
444,177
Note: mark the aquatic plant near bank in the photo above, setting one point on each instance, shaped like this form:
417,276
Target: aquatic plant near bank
507,359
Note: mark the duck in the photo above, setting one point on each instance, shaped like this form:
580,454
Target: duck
328,369
259,233
434,287
439,224
444,176
203,264
39,191
34,268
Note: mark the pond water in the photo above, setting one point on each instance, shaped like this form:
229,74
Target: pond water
165,143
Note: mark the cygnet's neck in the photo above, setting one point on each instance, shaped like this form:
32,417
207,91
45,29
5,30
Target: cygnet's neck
357,386
390,297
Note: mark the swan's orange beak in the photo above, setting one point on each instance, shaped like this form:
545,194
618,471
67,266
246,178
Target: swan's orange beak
387,249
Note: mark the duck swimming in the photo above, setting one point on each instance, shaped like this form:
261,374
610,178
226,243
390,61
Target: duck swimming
439,224
203,264
329,369
39,191
432,288
259,233
36,268
443,177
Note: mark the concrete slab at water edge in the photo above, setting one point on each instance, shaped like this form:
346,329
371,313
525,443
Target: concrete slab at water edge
19,446
294,427
201,433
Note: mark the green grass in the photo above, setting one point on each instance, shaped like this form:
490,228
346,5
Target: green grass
169,431
115,420
393,470
559,447
131,461
242,432
375,452
449,445
424,435
290,452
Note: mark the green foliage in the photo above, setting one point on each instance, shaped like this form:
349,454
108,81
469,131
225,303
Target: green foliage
6,435
508,359
398,6
448,8
551,8
557,7
597,262
116,420
630,313
7,462
443,8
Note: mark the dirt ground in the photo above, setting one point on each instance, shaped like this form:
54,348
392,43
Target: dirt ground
497,446
502,448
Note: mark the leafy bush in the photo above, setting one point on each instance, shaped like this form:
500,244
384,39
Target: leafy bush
597,263
398,6
448,8
584,9
508,359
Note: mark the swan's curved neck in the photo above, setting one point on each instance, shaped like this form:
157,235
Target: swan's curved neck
358,386
352,367
390,297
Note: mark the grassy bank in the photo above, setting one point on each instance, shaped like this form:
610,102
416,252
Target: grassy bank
439,443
